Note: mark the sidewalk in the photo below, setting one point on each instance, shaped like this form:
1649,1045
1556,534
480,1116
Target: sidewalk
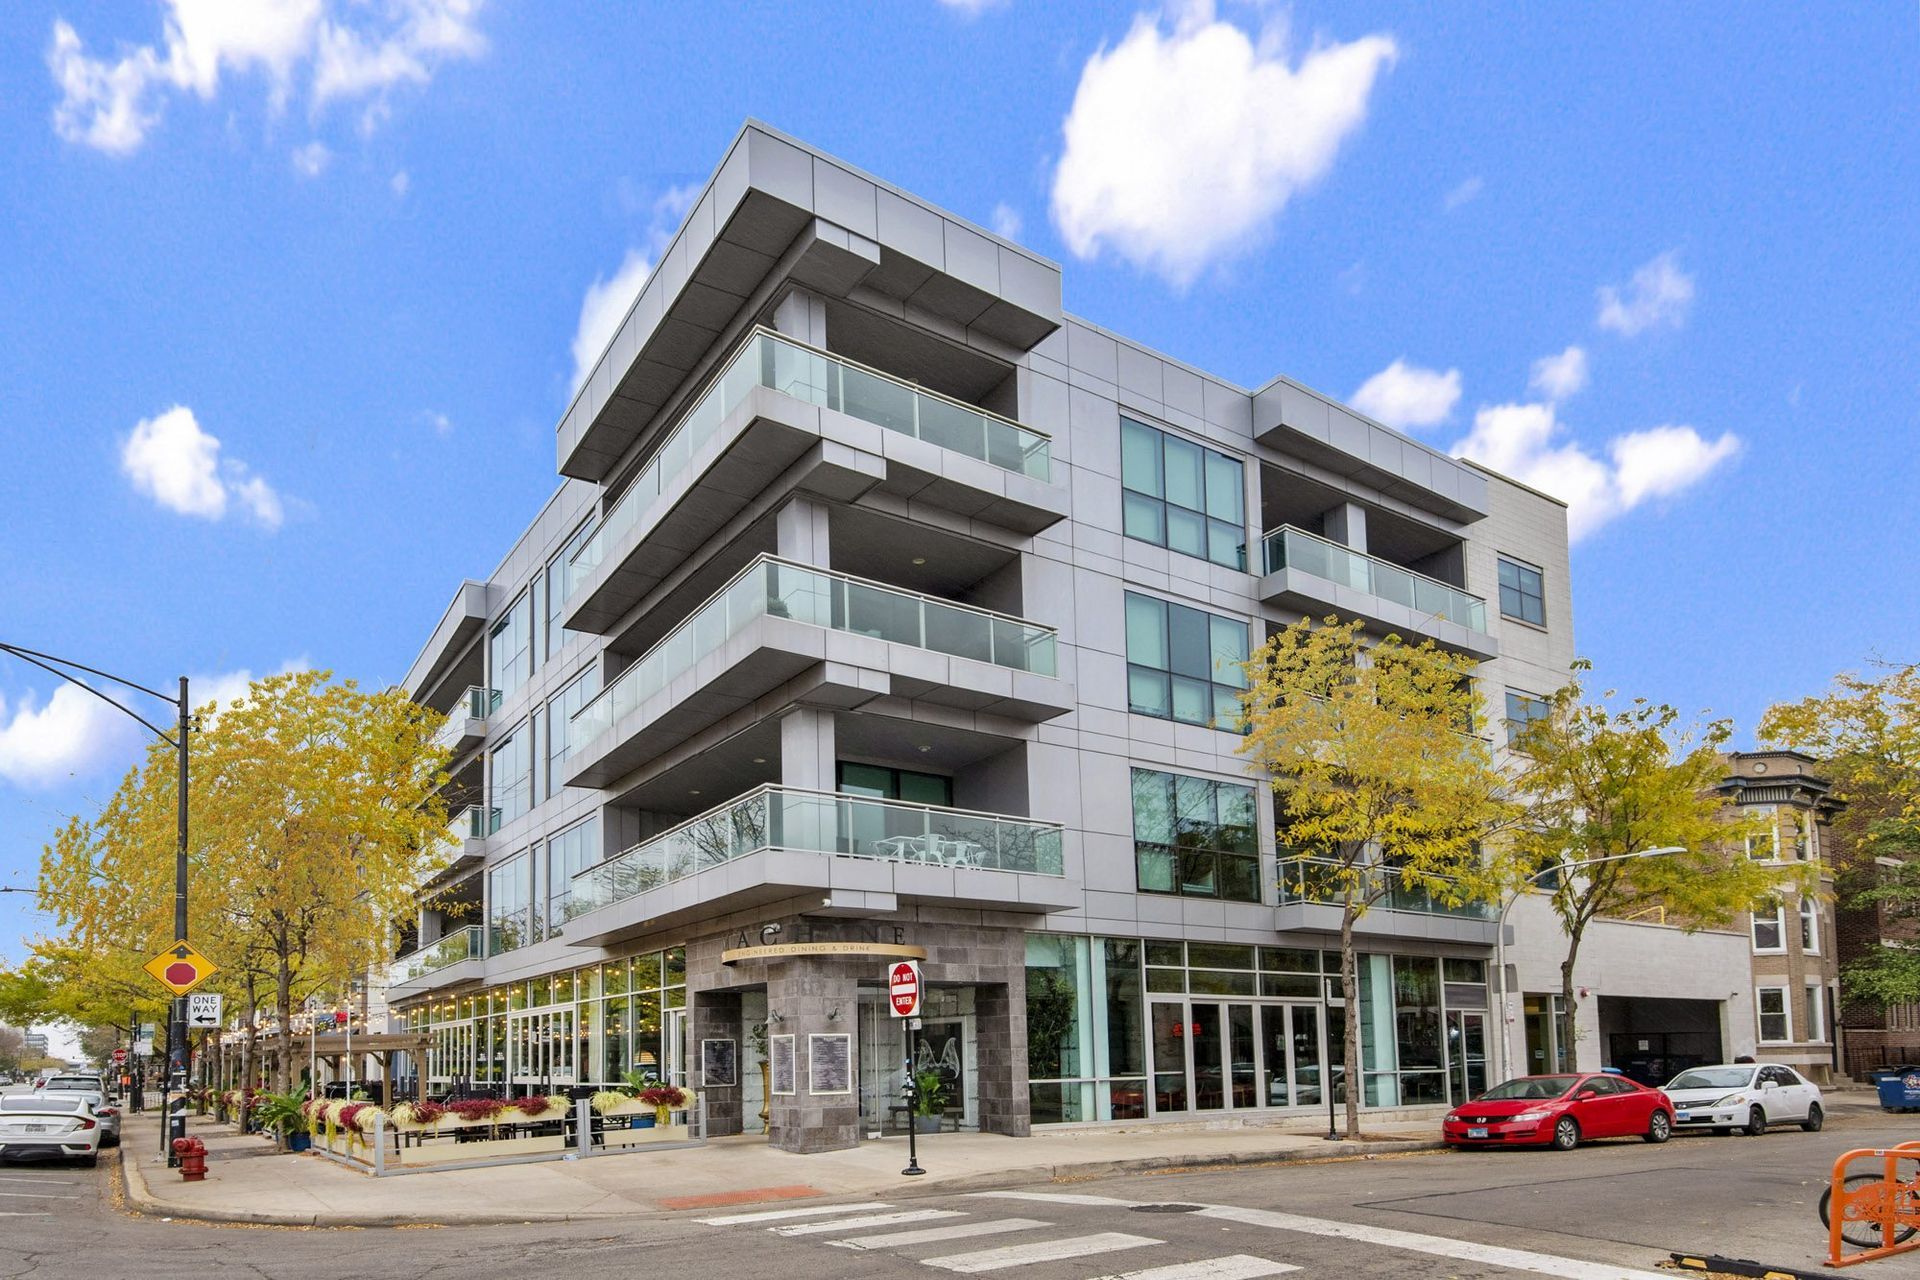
247,1182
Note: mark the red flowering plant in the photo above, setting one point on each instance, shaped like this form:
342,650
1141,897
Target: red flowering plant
534,1104
477,1108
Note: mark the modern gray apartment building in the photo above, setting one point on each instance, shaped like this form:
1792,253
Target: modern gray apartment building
885,610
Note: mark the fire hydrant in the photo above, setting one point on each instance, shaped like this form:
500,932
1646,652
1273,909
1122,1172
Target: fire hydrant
193,1158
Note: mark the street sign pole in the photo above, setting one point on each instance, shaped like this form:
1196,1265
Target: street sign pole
903,1001
177,1020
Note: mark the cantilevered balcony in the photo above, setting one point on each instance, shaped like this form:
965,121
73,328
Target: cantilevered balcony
468,830
776,620
453,959
1313,575
1310,892
775,842
466,726
781,409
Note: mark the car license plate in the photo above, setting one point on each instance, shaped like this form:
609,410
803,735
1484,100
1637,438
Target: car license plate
1477,1133
1680,1116
37,1128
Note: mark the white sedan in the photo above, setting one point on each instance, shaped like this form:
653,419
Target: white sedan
49,1126
1747,1096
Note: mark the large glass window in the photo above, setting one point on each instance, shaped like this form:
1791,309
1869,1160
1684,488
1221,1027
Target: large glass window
508,892
512,774
1809,926
559,721
510,646
1816,1020
1195,837
1058,983
882,783
1769,927
1182,496
1184,664
1522,593
559,587
568,854
1522,710
1763,845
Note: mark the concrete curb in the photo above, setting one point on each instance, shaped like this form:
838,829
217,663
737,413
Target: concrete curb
140,1198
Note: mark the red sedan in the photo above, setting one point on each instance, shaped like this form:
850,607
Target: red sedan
1560,1112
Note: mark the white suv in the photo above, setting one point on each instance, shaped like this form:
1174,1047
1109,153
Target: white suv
1747,1096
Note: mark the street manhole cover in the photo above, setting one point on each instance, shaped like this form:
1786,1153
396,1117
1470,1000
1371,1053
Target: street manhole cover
1166,1208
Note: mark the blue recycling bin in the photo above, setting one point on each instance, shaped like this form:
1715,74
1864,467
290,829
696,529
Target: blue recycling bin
1901,1092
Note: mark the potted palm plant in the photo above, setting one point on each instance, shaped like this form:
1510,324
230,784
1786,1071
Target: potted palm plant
283,1115
929,1100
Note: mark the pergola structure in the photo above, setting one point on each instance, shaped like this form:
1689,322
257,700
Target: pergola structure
335,1050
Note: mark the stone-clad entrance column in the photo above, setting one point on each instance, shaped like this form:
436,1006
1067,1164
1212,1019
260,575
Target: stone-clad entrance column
816,997
716,1016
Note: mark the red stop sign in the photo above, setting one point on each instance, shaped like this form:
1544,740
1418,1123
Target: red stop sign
903,989
182,974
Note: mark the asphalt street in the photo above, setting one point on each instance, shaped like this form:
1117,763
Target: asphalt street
1608,1212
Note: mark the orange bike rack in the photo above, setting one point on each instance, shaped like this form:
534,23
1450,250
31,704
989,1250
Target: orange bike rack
1888,1204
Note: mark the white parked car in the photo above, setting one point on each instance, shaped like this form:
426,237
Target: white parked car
49,1126
87,1087
1747,1096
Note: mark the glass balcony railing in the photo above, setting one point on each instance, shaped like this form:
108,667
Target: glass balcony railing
782,589
475,822
475,704
1291,548
462,944
819,822
769,360
1325,881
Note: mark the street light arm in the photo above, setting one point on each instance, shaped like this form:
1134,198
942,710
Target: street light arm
29,655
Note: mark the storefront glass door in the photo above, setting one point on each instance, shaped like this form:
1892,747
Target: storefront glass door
1223,1055
1466,1053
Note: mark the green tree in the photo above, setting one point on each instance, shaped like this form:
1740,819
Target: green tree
1604,784
1378,787
1865,729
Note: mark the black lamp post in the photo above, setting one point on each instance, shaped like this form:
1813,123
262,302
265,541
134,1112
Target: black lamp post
176,1020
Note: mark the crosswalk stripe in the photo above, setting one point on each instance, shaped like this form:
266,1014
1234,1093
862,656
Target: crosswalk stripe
1235,1266
1545,1264
933,1235
1050,1197
775,1215
1020,1255
869,1220
35,1195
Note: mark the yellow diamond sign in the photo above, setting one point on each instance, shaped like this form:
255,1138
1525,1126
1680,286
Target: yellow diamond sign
180,968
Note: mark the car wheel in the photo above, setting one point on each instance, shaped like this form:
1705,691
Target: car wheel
1566,1134
1659,1129
1756,1123
1815,1119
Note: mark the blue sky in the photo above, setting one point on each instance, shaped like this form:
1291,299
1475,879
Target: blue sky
288,302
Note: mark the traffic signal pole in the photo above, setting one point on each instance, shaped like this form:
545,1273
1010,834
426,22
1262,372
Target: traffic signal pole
176,1008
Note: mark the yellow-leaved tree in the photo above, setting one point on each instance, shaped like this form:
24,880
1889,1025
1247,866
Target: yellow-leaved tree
1380,787
320,815
1603,788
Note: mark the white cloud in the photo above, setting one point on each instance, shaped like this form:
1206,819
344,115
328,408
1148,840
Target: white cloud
605,306
1662,461
1183,145
1559,377
222,689
1463,193
400,183
311,160
1526,442
170,459
972,8
1658,297
1403,395
609,298
442,425
1006,221
72,734
347,49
